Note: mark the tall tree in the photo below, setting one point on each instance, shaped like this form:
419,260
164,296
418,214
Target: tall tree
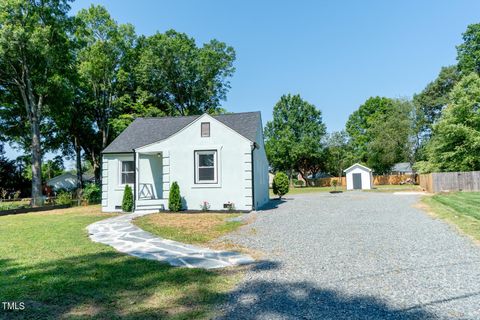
433,99
105,46
468,53
339,153
391,137
34,55
360,121
181,78
294,136
455,144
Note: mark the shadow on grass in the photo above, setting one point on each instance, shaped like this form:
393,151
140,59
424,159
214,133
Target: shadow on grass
108,286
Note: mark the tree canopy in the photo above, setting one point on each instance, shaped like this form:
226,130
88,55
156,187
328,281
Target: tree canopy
294,136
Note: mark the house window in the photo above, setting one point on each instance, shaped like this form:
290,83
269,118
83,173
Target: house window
205,129
206,166
127,172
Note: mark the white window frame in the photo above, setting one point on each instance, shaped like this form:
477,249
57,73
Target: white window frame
197,154
121,172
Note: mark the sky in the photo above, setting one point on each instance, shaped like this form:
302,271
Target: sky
335,54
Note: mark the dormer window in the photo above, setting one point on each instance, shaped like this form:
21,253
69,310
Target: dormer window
205,131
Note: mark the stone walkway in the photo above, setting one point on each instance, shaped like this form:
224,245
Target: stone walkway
121,234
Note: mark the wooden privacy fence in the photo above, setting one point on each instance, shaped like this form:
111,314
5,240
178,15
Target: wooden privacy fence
451,181
377,180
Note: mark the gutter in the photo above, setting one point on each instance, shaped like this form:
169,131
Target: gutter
134,180
254,146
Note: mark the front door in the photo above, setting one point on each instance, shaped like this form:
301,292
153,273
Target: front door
357,181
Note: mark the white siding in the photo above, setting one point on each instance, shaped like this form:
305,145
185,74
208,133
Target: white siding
366,177
112,190
234,168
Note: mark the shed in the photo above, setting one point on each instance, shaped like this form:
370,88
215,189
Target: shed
359,177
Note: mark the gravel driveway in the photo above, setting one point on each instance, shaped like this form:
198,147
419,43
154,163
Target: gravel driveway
356,255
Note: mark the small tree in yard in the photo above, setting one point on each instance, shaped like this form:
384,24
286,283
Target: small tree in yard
127,202
334,184
174,199
280,184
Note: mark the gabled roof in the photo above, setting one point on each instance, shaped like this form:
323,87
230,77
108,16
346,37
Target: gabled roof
359,166
144,131
402,167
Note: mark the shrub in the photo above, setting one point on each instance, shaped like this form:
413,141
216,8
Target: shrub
280,184
64,197
92,193
127,202
334,183
174,199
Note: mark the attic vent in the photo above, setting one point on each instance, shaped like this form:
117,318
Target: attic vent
205,129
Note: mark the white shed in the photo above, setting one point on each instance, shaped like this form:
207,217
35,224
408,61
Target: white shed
359,177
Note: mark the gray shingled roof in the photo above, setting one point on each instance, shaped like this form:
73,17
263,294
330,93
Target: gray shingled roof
144,131
402,167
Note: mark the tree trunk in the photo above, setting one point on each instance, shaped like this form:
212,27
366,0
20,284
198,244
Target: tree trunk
37,199
79,170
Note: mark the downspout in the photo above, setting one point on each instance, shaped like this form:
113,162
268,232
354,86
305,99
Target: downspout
254,146
134,180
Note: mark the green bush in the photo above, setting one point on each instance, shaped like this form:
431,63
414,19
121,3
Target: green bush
92,193
64,197
174,199
280,184
298,183
127,202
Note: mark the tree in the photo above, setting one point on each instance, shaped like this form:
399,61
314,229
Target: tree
455,143
11,178
338,153
181,78
280,184
359,124
294,136
430,103
104,48
380,133
174,198
34,57
391,138
468,53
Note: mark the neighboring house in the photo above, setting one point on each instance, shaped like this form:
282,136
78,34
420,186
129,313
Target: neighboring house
219,159
402,168
358,177
68,181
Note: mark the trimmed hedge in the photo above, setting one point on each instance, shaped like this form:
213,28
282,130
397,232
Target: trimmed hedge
280,184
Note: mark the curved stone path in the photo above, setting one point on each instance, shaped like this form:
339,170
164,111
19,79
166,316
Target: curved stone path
121,234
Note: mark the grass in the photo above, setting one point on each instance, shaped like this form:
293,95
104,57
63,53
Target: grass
379,188
193,228
460,208
48,262
8,205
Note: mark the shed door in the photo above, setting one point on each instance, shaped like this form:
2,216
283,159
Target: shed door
357,181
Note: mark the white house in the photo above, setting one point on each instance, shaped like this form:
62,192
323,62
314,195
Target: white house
219,159
359,177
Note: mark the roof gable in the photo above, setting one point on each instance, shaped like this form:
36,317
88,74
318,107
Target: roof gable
357,165
145,131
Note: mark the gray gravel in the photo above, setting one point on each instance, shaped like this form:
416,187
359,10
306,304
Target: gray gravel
355,255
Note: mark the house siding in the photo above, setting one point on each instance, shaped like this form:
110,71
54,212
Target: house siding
112,190
234,168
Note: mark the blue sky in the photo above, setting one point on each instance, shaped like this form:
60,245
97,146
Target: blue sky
335,54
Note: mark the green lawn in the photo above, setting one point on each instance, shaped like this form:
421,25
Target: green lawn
194,228
460,208
48,262
8,205
379,188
